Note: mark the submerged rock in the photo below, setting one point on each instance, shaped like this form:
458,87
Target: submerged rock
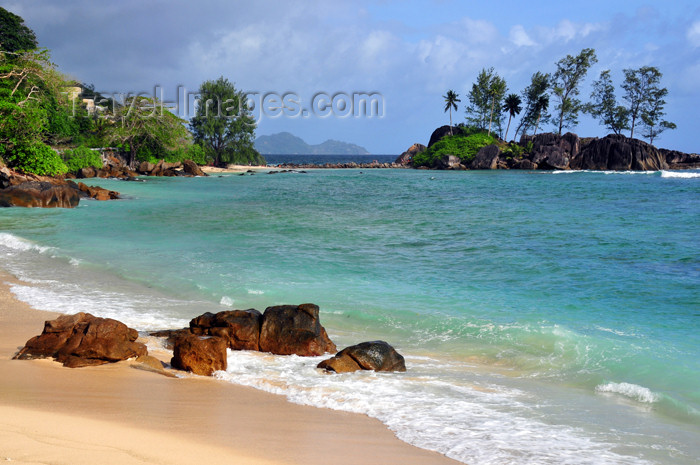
374,355
83,340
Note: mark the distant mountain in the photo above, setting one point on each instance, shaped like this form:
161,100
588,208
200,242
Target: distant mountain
284,143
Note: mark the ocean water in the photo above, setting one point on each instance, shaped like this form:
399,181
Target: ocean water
323,159
545,317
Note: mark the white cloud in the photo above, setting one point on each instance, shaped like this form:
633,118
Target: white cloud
693,34
520,38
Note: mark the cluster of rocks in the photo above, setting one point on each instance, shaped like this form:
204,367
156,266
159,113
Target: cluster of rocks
28,190
85,340
115,167
566,152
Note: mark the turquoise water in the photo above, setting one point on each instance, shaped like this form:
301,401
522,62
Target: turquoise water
534,308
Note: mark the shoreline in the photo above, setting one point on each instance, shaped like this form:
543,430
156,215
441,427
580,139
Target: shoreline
117,415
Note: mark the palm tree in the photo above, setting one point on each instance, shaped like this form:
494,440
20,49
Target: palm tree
541,107
512,106
450,103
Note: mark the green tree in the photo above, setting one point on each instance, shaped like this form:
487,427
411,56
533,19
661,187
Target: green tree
604,107
540,110
486,100
652,115
30,87
512,107
565,86
14,34
144,122
640,86
223,125
535,110
451,99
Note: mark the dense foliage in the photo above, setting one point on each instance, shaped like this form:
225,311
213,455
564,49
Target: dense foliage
81,157
14,34
42,113
464,145
223,125
37,158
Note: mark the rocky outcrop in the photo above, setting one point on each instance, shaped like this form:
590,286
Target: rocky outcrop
405,158
441,132
551,151
200,355
239,328
292,329
680,161
192,169
39,194
28,190
83,340
619,153
449,162
98,193
486,158
375,355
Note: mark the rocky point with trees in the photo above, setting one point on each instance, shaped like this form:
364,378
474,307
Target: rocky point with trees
476,144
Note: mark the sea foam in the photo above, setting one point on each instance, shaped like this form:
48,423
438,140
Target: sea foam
632,391
680,174
473,422
13,242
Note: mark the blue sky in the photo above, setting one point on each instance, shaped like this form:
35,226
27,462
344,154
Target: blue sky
409,52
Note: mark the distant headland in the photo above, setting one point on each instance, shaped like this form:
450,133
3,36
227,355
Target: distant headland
285,143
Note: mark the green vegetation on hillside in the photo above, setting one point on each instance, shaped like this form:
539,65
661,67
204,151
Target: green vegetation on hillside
465,144
43,114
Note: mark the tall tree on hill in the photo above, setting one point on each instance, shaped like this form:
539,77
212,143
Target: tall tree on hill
451,99
14,34
534,94
512,106
641,86
604,107
565,86
223,125
486,100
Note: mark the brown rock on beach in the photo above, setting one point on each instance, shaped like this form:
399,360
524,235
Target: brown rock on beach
83,340
292,329
199,355
374,355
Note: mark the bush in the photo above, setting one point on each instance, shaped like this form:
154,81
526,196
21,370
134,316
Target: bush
193,152
461,145
81,157
513,150
37,158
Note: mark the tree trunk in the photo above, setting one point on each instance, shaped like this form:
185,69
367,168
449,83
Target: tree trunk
537,125
451,121
507,128
632,130
493,101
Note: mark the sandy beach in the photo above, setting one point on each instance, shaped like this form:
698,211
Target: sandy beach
115,414
212,170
